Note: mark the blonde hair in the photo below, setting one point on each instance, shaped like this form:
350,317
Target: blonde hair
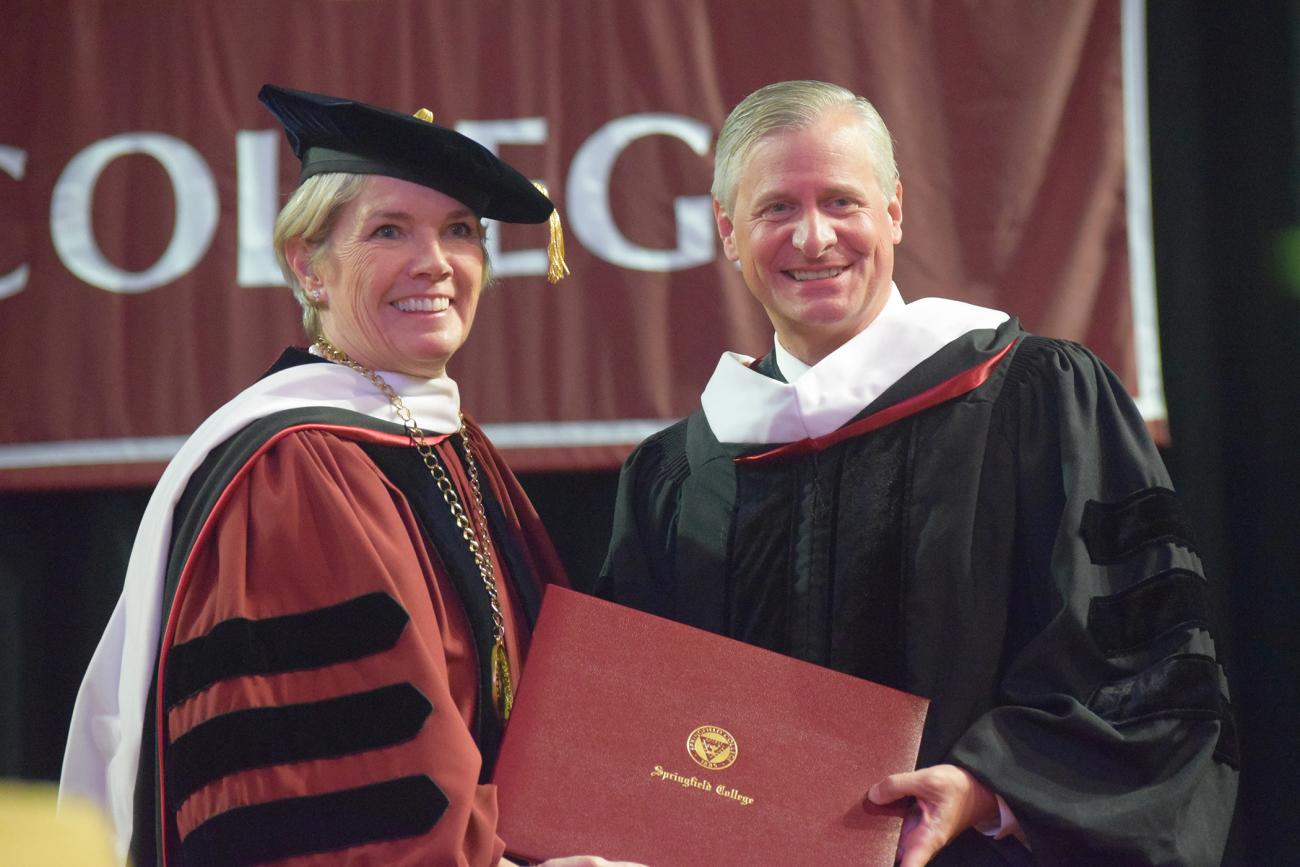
794,105
310,214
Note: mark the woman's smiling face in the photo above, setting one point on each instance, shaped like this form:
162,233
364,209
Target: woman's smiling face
399,277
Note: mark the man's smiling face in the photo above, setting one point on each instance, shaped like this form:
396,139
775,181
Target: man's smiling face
813,232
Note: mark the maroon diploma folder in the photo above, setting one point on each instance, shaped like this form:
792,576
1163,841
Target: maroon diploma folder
636,738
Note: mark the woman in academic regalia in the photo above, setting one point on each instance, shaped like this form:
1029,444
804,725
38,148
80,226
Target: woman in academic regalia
331,593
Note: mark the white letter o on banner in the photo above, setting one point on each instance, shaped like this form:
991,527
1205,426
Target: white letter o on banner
196,212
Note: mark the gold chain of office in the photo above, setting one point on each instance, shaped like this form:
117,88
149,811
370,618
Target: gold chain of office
477,538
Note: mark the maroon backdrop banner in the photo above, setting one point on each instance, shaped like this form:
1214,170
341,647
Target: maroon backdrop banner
139,177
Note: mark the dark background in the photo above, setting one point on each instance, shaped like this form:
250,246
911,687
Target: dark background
1226,196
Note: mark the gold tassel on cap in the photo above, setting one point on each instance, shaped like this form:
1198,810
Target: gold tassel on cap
556,268
425,115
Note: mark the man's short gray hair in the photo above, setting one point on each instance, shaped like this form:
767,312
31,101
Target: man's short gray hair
310,214
794,105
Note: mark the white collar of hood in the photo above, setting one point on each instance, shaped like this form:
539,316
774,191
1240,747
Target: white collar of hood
433,403
744,406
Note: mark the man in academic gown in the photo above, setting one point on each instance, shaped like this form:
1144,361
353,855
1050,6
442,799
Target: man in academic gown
927,496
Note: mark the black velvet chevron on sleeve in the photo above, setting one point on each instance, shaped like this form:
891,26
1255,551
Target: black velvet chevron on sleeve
1125,621
237,647
1113,531
266,736
1184,685
390,810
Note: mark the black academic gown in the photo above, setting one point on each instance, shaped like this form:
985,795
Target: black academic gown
1014,553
